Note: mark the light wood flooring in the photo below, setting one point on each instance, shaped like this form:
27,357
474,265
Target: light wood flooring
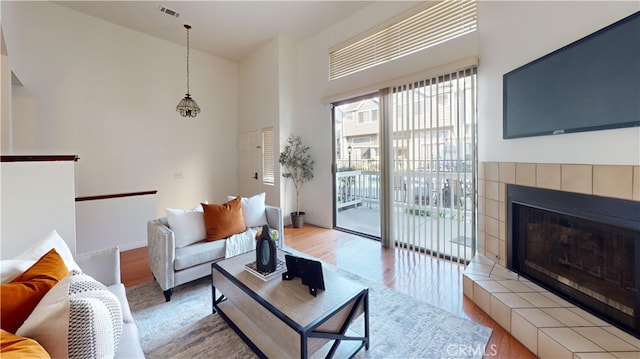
435,281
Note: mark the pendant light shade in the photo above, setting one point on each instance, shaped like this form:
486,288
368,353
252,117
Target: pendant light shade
188,106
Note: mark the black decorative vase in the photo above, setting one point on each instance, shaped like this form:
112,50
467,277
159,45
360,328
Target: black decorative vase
297,219
266,251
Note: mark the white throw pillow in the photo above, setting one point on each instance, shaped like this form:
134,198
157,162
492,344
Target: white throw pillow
11,268
78,318
253,210
53,240
187,225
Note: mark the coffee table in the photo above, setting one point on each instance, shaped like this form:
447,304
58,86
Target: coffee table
280,319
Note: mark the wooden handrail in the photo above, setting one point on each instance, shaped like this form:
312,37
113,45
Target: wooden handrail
116,195
37,158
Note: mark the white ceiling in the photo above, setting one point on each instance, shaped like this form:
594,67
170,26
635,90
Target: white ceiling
227,29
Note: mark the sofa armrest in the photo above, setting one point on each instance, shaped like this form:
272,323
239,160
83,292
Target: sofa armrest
103,265
274,219
162,253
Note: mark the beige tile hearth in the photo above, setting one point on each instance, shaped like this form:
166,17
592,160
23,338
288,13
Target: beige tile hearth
546,324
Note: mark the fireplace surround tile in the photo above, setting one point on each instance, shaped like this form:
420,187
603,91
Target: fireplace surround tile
594,356
492,286
539,300
605,339
590,317
622,335
567,317
613,181
482,297
548,175
560,301
512,300
507,172
553,342
526,174
636,184
525,332
550,331
500,312
491,171
492,189
577,178
625,355
515,286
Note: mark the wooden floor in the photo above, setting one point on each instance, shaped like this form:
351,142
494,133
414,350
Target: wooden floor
433,280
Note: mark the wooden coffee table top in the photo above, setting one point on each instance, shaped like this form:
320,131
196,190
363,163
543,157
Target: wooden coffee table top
292,298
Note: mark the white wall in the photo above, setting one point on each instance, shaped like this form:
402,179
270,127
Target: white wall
267,99
259,100
113,222
36,198
108,94
513,33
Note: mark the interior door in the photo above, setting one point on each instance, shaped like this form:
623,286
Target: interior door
249,156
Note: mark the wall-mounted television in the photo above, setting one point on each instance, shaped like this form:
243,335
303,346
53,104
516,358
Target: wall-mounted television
591,84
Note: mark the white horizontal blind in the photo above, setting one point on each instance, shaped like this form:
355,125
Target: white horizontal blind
268,160
443,21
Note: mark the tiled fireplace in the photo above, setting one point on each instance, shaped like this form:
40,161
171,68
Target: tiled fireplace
545,323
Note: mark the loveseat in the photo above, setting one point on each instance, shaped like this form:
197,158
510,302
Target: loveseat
57,305
173,264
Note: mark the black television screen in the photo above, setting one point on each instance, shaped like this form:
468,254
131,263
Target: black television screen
591,84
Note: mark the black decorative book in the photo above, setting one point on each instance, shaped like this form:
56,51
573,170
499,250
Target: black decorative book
252,268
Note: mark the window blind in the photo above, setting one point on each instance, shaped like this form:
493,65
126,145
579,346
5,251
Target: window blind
443,21
268,160
433,151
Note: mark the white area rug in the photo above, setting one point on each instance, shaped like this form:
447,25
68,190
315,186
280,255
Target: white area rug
400,326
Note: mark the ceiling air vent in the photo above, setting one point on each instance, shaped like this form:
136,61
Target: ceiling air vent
168,11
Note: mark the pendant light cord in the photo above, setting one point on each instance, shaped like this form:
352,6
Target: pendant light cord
187,27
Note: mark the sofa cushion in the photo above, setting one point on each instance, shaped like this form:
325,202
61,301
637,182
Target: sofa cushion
77,318
16,347
253,210
19,297
198,253
187,225
223,220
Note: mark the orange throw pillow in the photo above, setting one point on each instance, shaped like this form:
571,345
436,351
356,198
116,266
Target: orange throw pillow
19,297
14,346
223,220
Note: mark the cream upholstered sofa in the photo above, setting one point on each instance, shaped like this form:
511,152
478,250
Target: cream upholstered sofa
173,265
85,314
104,266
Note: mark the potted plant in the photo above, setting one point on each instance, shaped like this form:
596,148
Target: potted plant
298,165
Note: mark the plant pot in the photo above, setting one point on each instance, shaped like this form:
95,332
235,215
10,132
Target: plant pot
297,219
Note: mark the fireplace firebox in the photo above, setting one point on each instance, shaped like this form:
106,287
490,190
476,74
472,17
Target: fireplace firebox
584,248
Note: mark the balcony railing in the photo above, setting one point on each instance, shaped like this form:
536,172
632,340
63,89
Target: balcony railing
444,190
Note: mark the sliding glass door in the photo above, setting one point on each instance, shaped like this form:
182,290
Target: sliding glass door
405,165
357,170
433,155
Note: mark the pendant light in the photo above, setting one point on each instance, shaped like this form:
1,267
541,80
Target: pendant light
188,106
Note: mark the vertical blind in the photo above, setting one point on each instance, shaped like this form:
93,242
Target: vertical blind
433,159
443,21
268,160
